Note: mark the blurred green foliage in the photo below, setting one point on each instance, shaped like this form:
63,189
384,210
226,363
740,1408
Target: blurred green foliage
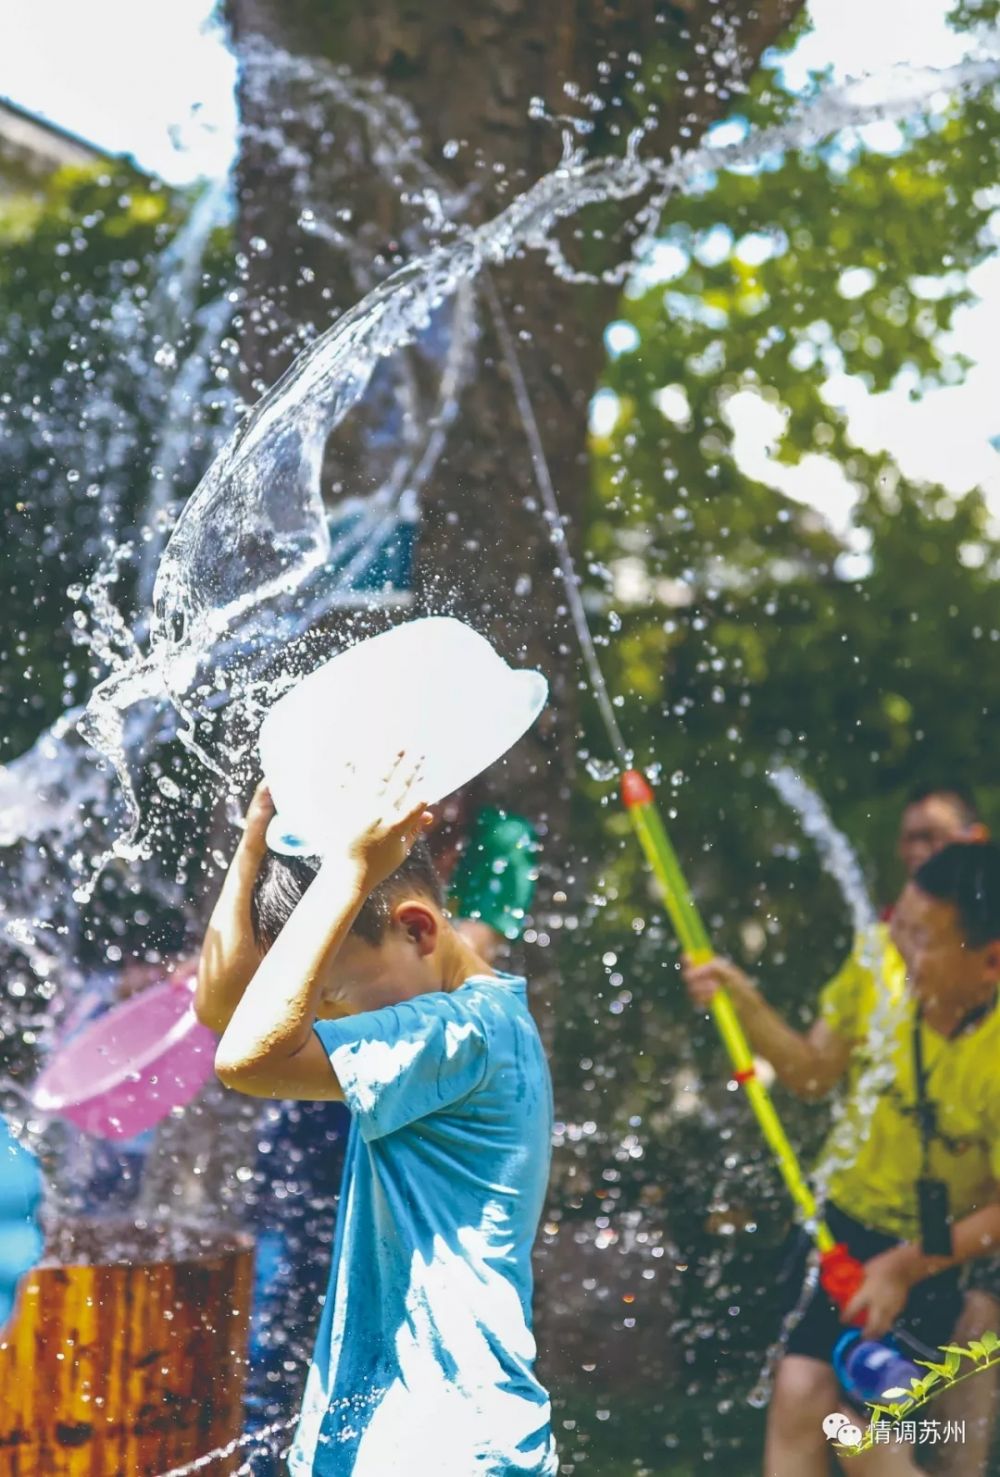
737,626
80,412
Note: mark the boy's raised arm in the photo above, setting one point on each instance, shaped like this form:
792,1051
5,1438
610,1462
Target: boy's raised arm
229,957
269,1048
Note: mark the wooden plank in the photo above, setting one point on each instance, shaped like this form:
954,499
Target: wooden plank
131,1366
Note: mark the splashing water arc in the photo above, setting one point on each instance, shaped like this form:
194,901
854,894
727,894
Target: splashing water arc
264,486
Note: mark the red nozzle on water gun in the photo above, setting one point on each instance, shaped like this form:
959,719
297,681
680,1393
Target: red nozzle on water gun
635,789
840,1275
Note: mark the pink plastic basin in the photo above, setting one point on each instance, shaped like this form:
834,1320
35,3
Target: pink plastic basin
125,1072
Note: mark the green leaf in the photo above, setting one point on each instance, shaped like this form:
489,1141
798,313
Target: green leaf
940,1371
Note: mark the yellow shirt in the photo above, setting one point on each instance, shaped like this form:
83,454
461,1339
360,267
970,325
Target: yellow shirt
877,1160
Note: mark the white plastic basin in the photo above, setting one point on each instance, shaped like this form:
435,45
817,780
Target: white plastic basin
431,687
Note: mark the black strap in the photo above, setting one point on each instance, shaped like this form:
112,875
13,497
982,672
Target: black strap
926,1108
926,1111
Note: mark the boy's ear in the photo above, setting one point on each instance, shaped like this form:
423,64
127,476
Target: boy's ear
420,922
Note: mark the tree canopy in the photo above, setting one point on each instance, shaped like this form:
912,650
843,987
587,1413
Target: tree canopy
744,627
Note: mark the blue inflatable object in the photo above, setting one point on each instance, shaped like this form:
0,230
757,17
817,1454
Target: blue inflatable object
20,1234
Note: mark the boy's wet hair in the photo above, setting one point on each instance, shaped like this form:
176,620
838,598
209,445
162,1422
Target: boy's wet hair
281,883
967,875
961,797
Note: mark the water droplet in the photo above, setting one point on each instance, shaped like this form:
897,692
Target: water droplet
603,770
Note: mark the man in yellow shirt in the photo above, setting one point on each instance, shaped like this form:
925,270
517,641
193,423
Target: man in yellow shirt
941,1031
934,816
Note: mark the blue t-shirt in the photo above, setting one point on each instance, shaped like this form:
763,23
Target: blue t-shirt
424,1358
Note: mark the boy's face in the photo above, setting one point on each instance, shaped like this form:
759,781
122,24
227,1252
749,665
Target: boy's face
368,976
940,966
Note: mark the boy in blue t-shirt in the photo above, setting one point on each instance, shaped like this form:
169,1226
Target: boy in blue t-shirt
424,1358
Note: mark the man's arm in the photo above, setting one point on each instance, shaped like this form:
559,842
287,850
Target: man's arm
809,1063
890,1276
229,957
973,1236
